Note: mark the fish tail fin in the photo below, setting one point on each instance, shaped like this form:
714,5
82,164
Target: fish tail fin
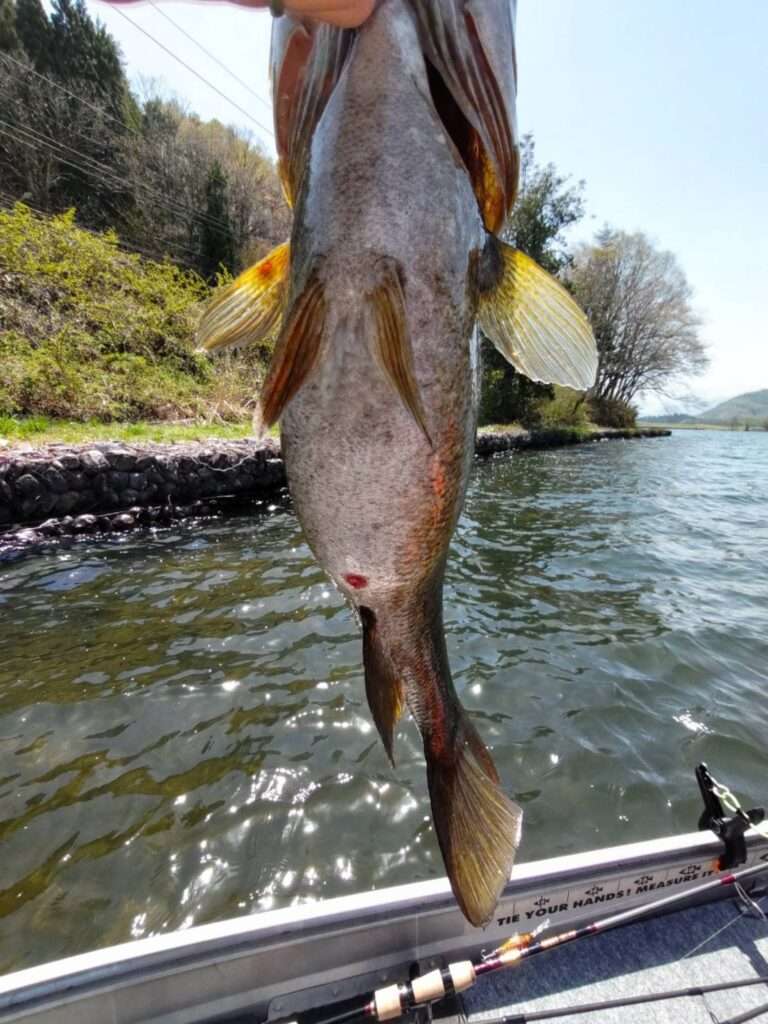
393,342
383,689
247,310
532,320
478,827
297,352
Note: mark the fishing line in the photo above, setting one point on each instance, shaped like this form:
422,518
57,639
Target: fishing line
612,1004
394,1001
724,928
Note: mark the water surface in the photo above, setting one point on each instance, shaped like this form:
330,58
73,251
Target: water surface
183,731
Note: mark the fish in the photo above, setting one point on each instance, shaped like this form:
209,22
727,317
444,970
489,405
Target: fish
398,150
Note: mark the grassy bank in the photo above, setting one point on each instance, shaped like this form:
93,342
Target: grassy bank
89,332
39,431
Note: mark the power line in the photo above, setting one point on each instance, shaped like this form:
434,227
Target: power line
35,144
134,131
197,74
72,95
11,200
160,200
212,56
78,167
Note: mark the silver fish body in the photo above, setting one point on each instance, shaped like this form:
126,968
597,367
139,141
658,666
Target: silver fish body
398,149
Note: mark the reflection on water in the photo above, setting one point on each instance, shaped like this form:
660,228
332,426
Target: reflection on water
183,731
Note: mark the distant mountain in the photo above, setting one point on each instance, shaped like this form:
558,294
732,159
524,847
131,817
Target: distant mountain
751,406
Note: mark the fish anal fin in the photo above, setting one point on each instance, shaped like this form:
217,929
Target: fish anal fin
533,321
478,827
393,342
297,351
247,310
382,687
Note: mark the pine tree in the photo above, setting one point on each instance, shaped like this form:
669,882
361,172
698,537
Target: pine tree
34,32
9,40
83,51
216,239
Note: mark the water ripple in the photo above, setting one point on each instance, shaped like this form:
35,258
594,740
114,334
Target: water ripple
183,731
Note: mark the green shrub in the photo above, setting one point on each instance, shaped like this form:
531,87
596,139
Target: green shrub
88,331
612,412
507,396
567,408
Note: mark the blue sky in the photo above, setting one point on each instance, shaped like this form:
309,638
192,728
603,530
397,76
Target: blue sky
661,107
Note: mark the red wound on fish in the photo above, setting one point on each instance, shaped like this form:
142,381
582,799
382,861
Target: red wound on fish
355,581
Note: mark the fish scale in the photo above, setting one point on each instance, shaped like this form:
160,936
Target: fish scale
398,145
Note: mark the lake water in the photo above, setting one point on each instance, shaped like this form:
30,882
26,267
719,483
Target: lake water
183,731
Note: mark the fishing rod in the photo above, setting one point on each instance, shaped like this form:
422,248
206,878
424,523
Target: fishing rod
394,1001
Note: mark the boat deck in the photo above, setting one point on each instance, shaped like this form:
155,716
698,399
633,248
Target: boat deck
703,945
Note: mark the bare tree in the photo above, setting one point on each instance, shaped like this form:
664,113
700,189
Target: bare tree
639,304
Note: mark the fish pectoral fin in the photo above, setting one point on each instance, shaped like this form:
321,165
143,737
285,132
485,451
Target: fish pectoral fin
297,352
248,310
382,687
533,321
478,827
392,342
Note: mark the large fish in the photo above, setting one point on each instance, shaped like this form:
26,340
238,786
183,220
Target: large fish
398,150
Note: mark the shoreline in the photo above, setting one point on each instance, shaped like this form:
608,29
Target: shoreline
62,490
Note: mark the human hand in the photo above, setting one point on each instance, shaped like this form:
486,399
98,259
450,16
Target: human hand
343,13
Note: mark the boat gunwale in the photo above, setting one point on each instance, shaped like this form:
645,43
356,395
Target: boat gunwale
181,951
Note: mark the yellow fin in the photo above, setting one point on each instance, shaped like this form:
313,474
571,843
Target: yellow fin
393,344
535,324
249,309
478,827
297,352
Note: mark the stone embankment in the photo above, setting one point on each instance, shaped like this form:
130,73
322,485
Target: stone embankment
490,442
64,490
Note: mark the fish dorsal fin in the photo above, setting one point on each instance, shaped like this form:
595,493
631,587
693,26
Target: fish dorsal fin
307,60
470,44
534,322
248,310
392,342
296,354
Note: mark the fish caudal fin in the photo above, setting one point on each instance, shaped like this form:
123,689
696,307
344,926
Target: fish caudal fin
382,687
296,354
533,321
478,827
393,343
248,310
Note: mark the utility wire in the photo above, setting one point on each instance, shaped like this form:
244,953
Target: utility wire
32,144
197,74
171,205
11,200
36,145
212,56
72,95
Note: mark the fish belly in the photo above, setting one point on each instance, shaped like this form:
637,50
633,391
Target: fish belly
376,501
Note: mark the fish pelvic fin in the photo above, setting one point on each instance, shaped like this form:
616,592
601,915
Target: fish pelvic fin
532,320
393,342
384,690
248,310
478,827
297,352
